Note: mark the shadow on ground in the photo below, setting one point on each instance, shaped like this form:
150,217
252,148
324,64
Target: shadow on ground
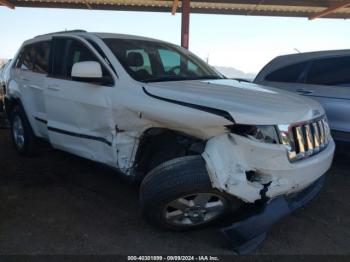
56,203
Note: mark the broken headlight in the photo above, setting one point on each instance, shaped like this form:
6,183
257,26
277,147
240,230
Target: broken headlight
263,134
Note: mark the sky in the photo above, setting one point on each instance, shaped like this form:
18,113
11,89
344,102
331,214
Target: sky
246,43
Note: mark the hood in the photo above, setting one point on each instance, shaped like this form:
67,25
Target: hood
247,103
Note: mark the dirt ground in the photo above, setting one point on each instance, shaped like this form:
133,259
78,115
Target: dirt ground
56,203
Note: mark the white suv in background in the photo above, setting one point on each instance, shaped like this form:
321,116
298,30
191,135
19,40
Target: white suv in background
200,144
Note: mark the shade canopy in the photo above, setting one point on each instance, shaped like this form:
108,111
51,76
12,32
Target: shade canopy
291,8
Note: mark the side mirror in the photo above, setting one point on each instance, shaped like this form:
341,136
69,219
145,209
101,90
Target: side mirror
87,71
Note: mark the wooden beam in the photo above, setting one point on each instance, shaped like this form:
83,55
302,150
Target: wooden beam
330,10
185,23
7,3
174,7
88,5
257,5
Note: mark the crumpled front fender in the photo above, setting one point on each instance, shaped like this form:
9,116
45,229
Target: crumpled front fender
227,168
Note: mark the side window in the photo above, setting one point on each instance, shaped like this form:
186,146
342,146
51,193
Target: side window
26,58
288,74
67,52
42,56
77,52
330,71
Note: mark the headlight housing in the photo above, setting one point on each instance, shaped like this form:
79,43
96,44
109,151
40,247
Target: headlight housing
260,133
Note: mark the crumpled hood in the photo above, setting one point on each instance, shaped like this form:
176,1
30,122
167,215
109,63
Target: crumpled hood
247,103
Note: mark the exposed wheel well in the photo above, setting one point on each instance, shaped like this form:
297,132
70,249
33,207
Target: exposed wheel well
158,145
10,103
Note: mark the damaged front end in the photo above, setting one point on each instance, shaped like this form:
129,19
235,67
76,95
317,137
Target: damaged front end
246,235
257,167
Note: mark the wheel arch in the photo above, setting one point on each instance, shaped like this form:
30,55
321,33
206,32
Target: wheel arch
158,145
10,103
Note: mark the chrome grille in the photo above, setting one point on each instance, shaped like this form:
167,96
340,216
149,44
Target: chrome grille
305,139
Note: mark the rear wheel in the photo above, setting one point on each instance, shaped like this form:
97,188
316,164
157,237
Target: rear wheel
22,134
178,195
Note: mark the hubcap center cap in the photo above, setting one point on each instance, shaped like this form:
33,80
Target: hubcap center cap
195,212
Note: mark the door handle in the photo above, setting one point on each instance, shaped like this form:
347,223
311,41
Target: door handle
304,91
53,88
24,79
35,87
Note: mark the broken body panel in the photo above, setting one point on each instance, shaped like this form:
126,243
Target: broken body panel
107,123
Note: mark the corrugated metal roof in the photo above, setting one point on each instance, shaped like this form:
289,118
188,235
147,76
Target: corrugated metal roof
297,8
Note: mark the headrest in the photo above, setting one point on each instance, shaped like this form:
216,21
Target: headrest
135,59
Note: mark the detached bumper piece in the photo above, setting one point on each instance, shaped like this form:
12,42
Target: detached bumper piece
246,235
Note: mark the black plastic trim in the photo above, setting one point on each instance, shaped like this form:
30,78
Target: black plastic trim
211,110
328,97
41,120
68,133
246,235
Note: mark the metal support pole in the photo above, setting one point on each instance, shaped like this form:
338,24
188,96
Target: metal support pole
185,23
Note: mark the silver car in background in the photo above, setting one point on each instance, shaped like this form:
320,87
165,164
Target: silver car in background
323,76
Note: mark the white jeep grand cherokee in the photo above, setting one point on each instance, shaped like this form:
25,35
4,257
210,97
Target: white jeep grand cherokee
200,144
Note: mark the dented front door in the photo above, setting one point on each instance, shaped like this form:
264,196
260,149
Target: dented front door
80,118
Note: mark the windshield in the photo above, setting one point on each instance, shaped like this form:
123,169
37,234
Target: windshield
148,61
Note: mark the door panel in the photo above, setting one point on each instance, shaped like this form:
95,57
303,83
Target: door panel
80,117
30,73
33,90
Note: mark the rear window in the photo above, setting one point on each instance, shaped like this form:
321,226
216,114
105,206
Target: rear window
35,57
289,74
26,57
42,57
330,71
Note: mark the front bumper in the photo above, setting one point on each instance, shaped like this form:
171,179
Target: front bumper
246,235
230,158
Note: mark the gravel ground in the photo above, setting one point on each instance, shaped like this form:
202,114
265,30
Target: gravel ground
56,203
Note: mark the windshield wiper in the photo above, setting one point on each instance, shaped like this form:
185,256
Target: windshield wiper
177,78
206,77
163,79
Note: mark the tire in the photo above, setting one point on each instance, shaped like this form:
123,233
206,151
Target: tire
1,104
22,134
173,195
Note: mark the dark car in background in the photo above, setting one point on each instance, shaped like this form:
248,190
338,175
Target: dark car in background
323,76
3,70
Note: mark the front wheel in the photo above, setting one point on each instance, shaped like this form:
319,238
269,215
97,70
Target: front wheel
178,195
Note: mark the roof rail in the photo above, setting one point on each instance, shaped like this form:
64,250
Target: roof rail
63,32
